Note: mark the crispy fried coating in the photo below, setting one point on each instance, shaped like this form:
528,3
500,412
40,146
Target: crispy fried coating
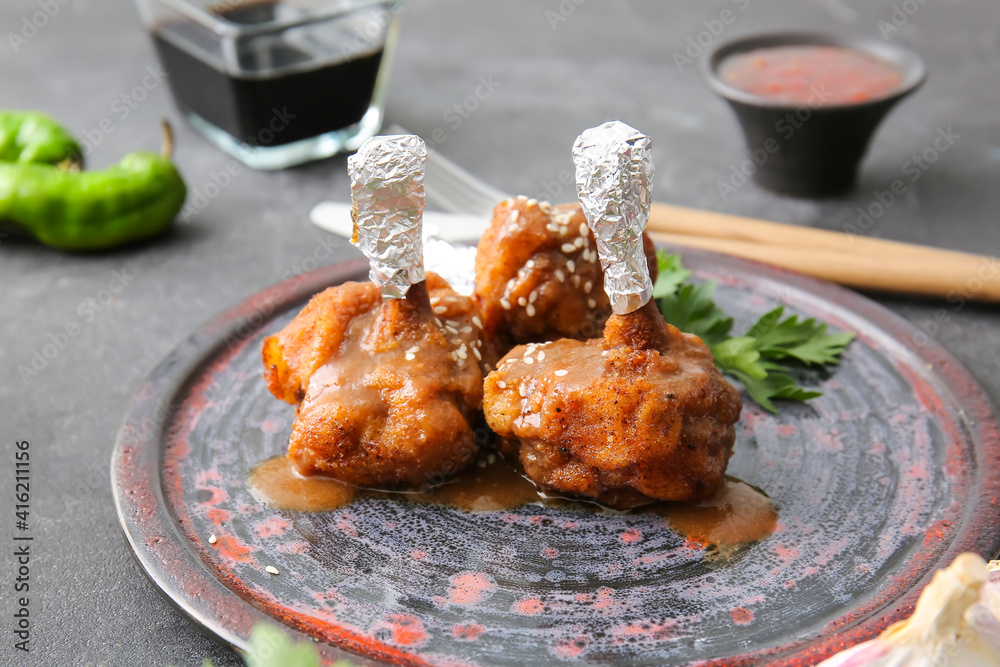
640,414
390,391
538,276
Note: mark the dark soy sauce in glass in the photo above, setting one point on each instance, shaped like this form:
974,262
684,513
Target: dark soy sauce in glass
288,85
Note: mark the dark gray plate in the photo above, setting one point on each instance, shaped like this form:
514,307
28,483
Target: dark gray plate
890,474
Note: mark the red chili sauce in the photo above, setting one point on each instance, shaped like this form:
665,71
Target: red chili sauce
813,75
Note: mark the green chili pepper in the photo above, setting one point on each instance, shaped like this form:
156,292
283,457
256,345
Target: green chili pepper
93,210
30,137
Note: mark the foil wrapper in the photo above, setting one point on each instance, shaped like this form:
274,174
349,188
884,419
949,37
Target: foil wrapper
387,184
614,174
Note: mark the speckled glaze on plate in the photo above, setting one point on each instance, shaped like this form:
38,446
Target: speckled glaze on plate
889,475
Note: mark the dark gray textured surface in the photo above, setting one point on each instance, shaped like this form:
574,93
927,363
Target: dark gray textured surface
90,602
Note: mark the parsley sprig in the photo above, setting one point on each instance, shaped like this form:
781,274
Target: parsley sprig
766,356
271,647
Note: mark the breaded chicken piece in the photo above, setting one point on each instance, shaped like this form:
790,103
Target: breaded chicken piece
641,414
538,277
390,391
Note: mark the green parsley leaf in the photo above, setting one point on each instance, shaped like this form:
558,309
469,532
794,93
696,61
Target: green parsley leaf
739,354
761,358
671,276
270,647
806,341
692,310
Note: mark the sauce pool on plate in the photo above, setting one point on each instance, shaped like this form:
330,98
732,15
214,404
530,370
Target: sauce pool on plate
810,74
736,516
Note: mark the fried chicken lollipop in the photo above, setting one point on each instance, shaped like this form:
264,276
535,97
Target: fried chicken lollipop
537,274
639,414
387,373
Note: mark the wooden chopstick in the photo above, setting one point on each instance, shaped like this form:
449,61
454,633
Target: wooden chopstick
672,219
933,273
858,261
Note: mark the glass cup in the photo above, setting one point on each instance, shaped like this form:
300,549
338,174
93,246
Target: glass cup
276,83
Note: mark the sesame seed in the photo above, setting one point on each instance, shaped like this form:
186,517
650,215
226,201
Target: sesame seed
521,301
478,354
481,464
466,329
530,310
533,297
541,356
604,353
410,356
560,276
461,363
491,459
522,390
462,354
532,202
270,569
440,310
505,303
583,229
415,348
212,539
478,322
522,198
530,264
571,265
457,341
591,303
587,286
509,201
579,241
529,360
434,300
501,384
564,230
561,372
586,241
576,281
451,329
545,206
568,247
552,227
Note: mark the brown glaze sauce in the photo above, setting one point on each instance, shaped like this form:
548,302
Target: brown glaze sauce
738,515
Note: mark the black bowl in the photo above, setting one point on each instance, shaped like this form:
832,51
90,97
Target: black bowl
808,150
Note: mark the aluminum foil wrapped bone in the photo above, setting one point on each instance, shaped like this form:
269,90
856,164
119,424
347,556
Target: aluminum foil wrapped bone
387,184
614,174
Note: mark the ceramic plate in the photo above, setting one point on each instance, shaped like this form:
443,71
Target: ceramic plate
889,475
